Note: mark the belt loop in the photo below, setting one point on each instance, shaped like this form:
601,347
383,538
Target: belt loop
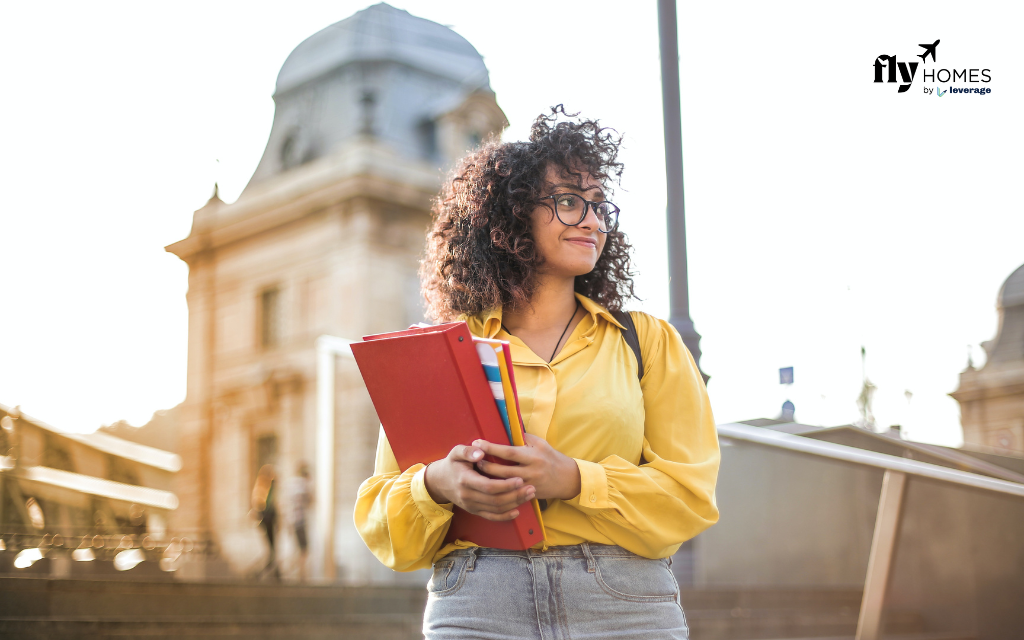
591,563
471,563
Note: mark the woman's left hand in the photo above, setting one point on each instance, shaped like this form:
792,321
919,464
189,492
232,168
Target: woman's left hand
553,474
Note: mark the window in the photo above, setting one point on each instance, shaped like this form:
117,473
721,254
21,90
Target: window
265,453
122,470
55,455
428,139
270,318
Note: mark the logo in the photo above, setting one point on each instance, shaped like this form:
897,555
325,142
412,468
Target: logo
907,71
889,70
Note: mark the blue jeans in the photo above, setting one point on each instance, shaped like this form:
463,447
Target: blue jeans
565,593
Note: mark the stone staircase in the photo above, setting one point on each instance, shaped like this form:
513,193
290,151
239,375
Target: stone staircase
57,609
34,608
822,613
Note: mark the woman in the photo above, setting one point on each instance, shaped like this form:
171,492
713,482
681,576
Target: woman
264,509
525,248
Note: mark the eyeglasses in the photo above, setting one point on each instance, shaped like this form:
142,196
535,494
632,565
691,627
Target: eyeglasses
571,209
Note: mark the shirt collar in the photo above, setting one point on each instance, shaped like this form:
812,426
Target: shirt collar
488,323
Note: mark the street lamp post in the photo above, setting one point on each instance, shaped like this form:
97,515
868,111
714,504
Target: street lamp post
679,295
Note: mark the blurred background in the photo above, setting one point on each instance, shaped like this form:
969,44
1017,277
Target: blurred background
855,272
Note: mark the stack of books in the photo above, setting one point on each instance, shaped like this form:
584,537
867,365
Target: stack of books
437,386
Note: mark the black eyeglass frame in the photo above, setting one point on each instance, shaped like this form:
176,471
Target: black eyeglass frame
587,204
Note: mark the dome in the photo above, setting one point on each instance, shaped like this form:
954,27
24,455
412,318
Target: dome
1012,292
382,32
381,77
1008,345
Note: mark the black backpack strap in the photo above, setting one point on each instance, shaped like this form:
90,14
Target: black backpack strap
632,339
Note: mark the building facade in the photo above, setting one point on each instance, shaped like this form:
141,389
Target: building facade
992,398
324,240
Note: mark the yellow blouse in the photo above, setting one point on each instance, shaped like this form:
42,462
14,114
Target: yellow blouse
588,404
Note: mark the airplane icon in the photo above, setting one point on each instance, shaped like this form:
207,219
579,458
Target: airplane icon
928,49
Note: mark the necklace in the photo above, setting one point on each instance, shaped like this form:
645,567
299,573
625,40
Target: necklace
574,310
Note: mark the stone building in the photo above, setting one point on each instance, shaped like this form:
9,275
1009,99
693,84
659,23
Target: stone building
992,398
325,239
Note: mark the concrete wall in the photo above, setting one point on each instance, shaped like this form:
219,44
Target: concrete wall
960,559
790,519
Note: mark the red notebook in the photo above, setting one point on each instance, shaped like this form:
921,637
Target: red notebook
430,392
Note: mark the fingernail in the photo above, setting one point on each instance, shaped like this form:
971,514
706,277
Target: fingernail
515,514
477,454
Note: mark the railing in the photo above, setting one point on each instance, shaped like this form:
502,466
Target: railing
890,503
799,444
125,548
90,485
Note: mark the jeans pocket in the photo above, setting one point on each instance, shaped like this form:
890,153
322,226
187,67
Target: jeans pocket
448,576
636,579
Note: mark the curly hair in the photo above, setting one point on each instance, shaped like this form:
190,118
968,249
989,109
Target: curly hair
480,252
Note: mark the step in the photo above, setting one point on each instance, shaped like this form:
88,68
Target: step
756,624
937,635
746,597
354,627
35,607
36,597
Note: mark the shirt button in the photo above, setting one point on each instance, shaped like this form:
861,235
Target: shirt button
593,498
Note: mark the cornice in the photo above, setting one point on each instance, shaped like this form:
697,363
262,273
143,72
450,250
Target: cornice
365,169
992,381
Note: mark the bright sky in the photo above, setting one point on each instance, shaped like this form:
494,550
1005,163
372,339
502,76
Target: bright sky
824,211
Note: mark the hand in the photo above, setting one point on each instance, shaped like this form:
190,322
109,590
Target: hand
454,479
554,474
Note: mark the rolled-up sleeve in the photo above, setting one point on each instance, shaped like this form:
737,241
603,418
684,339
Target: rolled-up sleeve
395,515
653,507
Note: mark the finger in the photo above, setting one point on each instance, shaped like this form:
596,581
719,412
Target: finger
496,470
505,452
507,503
483,484
466,453
498,503
532,440
499,517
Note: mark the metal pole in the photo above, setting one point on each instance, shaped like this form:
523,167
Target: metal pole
679,295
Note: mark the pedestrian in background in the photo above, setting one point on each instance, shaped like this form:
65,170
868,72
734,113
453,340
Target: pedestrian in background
265,510
300,501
